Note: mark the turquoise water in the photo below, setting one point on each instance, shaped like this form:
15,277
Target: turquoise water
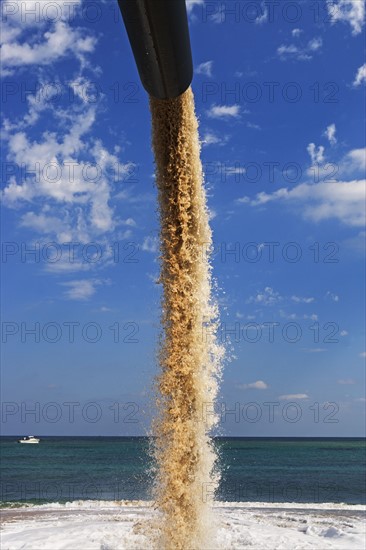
61,469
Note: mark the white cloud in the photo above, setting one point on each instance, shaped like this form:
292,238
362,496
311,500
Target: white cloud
258,385
205,68
362,354
80,86
224,111
355,244
129,222
357,158
69,177
262,18
330,134
313,317
83,188
253,126
267,297
258,13
291,396
242,316
360,76
348,11
48,225
353,163
39,102
192,3
344,333
316,154
341,200
301,299
296,32
346,382
58,42
81,289
30,13
212,214
65,266
234,170
331,296
154,277
150,244
300,53
315,44
292,316
291,51
211,138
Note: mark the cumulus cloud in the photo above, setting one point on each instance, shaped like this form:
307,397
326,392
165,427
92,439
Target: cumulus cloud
205,68
316,153
292,316
65,187
192,3
341,200
258,13
211,138
77,192
330,134
224,111
351,12
150,244
37,104
358,158
31,13
315,44
296,32
354,162
52,37
258,385
266,297
56,44
300,53
234,170
331,296
302,299
360,76
129,222
81,290
48,225
293,396
82,186
263,16
253,126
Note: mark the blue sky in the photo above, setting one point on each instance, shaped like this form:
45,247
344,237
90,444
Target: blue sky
280,95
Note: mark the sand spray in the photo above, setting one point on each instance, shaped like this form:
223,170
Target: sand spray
190,357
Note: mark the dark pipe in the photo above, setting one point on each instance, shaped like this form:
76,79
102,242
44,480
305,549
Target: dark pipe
159,37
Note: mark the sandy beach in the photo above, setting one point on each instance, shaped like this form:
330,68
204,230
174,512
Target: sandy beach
103,525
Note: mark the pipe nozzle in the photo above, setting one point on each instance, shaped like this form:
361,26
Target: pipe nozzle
159,37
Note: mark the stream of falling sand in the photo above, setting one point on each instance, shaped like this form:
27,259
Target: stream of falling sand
190,357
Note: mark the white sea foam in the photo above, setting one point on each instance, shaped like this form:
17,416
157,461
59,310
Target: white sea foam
102,525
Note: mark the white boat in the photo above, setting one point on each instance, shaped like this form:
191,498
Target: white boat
29,439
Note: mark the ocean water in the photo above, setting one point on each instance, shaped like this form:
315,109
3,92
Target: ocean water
268,470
